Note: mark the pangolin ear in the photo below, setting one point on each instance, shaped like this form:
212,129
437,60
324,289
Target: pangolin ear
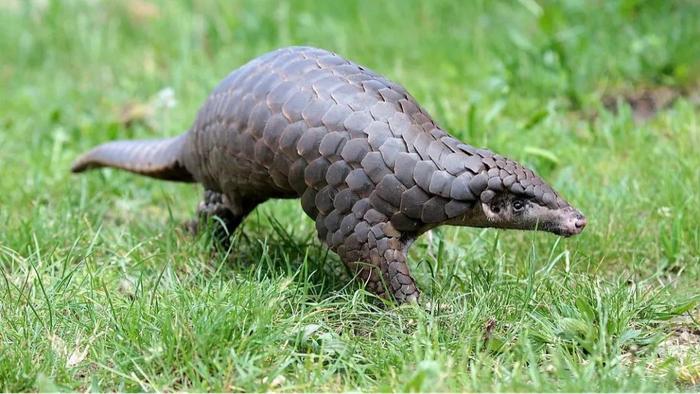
488,212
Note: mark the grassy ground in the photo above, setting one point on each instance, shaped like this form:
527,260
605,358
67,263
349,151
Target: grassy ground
101,290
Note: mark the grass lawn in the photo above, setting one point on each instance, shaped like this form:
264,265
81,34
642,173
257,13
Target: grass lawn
101,289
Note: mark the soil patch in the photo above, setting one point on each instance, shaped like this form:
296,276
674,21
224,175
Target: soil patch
647,101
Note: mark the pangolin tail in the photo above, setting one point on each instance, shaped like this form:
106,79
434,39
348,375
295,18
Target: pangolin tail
160,159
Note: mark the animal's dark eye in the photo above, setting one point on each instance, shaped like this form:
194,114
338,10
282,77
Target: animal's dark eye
495,208
518,205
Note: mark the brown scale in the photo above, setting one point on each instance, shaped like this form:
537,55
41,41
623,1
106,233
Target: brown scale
369,164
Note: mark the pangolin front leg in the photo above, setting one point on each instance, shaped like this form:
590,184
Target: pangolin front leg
376,252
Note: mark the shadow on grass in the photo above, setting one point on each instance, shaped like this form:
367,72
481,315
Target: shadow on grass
273,251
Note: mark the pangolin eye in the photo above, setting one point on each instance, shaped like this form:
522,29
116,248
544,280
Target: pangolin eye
518,205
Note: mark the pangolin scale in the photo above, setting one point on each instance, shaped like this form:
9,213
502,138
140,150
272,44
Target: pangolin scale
370,165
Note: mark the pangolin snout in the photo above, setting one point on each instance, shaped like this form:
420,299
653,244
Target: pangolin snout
574,222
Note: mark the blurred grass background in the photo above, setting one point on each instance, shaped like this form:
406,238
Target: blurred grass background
101,289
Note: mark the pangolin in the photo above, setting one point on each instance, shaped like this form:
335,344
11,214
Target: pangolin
372,168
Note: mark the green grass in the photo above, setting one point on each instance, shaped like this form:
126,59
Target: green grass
100,289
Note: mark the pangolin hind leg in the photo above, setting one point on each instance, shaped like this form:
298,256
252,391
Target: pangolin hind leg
223,214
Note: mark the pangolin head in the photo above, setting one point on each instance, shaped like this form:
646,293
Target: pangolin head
512,196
